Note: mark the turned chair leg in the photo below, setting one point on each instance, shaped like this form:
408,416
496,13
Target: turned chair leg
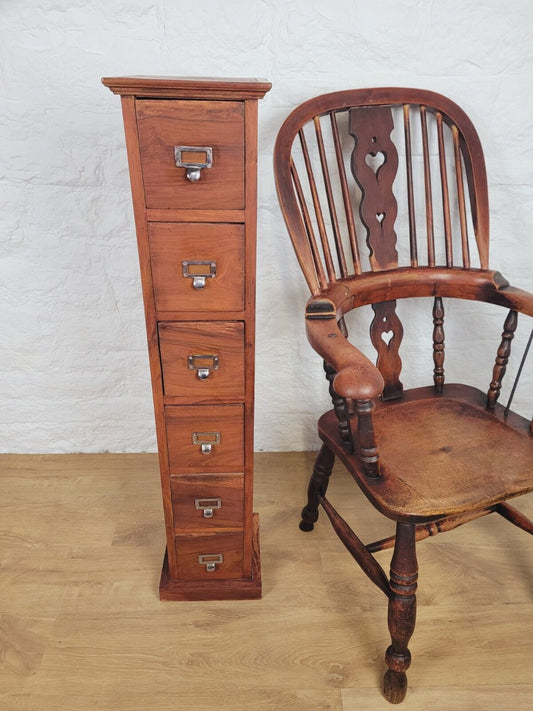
402,612
318,485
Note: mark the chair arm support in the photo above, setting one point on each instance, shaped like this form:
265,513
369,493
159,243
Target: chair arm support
357,377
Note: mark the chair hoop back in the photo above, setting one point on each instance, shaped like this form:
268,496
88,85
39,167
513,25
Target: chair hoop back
345,161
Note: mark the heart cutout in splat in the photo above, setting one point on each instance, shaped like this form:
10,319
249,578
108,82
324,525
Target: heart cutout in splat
387,337
375,160
380,216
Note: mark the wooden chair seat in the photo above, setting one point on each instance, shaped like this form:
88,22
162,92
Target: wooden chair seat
440,455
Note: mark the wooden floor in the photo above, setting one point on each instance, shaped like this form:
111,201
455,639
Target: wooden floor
81,625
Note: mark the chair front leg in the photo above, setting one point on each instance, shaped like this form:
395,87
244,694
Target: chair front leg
318,485
402,612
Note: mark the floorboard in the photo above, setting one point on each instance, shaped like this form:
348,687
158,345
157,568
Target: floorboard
81,625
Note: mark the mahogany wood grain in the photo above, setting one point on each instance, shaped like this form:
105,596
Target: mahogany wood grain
431,106
348,214
402,612
171,244
473,285
461,197
431,458
189,548
428,193
445,191
324,244
386,332
317,487
367,450
357,377
356,548
432,528
203,342
311,246
209,220
141,228
249,587
463,447
201,315
184,87
438,344
226,421
502,358
340,405
410,188
514,516
250,173
188,489
219,214
330,199
162,125
371,129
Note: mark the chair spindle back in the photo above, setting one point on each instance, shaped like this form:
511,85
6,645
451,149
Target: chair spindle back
382,178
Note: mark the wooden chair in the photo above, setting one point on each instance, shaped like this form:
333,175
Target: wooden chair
403,169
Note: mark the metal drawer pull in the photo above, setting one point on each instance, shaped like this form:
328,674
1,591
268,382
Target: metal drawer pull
208,506
211,561
193,167
203,364
199,271
206,440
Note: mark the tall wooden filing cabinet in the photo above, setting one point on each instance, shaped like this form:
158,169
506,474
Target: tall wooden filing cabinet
192,151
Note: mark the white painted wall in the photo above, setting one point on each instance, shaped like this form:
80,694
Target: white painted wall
73,361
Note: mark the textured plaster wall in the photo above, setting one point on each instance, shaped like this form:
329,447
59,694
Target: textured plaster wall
73,360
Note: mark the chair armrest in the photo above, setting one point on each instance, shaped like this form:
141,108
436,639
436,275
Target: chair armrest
513,298
357,377
471,284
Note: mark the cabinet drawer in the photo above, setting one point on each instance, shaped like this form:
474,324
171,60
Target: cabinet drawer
203,361
197,267
204,501
205,438
216,125
210,557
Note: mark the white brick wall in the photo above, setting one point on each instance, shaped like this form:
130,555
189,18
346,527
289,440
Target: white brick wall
74,372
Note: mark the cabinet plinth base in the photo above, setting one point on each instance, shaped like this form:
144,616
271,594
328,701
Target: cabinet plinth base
238,589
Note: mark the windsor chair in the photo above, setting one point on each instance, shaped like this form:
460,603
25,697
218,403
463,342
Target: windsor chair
365,232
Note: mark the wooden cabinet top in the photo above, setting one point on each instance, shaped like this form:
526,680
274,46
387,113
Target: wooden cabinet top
187,87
